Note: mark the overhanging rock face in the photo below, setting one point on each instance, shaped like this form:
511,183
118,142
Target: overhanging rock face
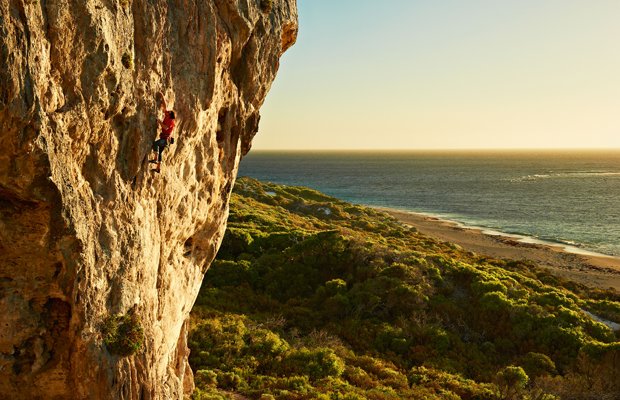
86,230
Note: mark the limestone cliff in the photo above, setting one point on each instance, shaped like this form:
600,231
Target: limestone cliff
86,231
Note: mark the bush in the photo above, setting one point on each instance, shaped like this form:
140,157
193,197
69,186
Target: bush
231,273
359,377
205,378
452,386
123,334
482,287
555,299
336,306
607,309
511,381
335,286
264,343
298,384
200,394
495,302
537,364
316,363
216,342
229,380
236,241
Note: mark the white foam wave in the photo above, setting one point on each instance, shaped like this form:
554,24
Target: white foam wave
575,174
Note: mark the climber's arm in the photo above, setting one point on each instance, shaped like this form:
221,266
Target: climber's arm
163,105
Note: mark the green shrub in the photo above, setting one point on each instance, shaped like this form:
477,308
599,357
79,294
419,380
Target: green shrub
605,308
358,377
598,350
335,286
450,386
231,273
123,334
511,381
316,363
274,242
216,342
264,343
554,298
537,364
236,241
205,378
495,301
482,287
297,384
200,394
392,339
229,380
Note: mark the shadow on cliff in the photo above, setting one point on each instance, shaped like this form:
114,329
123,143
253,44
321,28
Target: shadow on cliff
135,138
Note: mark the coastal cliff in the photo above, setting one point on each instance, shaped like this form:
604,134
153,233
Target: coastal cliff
88,235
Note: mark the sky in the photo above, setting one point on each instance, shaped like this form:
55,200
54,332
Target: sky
448,74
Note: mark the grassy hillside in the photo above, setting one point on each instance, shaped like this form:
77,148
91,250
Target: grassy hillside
314,298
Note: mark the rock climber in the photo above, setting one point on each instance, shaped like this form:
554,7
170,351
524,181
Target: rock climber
165,137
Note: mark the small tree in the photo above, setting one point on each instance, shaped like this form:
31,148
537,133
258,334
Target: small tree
537,364
511,382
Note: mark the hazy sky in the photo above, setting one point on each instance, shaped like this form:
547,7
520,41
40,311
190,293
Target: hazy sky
420,74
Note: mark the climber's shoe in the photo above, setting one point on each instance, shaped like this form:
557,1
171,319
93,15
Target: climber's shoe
156,170
153,161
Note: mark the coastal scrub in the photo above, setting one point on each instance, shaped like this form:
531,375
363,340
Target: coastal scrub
351,304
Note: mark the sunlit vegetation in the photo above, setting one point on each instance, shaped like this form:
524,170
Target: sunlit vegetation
123,334
314,298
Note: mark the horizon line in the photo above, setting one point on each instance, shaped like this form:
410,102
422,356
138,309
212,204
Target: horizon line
481,149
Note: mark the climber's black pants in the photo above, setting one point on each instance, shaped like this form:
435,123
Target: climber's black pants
159,146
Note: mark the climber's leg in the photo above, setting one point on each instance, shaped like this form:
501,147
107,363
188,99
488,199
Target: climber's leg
162,146
158,148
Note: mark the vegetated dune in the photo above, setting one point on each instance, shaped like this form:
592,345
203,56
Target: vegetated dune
597,271
312,297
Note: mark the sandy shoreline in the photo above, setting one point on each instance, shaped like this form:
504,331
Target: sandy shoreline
589,269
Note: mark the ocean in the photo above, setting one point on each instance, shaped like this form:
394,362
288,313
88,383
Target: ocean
571,198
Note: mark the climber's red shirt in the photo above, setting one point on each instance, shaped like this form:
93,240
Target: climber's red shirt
167,127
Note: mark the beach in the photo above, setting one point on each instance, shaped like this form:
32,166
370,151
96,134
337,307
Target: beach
590,269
